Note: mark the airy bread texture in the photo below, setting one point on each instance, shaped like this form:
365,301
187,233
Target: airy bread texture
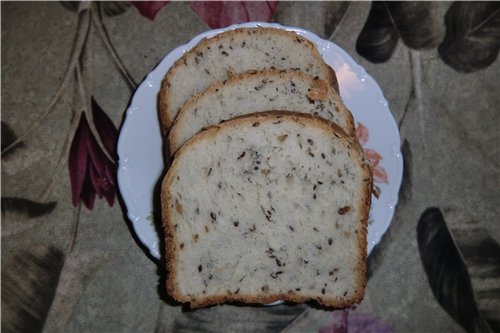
257,91
266,207
236,51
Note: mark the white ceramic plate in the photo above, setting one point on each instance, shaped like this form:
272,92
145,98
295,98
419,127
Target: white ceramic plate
141,164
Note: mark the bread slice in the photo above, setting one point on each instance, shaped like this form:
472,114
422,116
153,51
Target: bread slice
257,91
236,51
267,207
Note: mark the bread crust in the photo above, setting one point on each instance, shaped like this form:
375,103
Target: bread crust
334,83
240,77
263,117
163,96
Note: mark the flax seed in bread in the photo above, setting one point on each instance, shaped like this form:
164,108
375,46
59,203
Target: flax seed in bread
267,207
236,51
258,91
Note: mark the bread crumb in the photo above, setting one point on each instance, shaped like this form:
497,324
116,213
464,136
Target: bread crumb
319,91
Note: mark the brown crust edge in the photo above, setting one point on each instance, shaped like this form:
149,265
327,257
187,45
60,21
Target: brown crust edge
174,142
163,100
333,79
165,122
259,299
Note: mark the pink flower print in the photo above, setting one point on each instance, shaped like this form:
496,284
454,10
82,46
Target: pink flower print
379,173
217,14
351,321
362,133
149,9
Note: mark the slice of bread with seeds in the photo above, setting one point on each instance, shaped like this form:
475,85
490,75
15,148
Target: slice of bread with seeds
270,206
236,51
258,91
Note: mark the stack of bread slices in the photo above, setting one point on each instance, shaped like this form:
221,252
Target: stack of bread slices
268,194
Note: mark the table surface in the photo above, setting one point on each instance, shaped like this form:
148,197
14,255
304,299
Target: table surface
70,262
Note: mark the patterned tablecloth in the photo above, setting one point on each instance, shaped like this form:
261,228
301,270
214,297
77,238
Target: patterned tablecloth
70,262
